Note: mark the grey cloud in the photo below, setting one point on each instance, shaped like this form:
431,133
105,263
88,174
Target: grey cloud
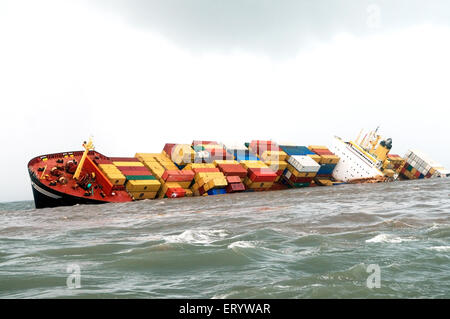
275,27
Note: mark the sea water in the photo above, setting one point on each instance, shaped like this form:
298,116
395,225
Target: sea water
388,240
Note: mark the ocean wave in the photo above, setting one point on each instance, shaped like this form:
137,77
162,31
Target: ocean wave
242,244
440,248
387,238
197,236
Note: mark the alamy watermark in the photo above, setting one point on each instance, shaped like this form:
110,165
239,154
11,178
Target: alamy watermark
74,279
374,279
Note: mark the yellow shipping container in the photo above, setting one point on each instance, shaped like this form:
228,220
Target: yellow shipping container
133,164
143,185
116,179
143,195
191,166
112,172
274,156
329,159
107,166
298,174
189,193
217,183
217,162
184,185
315,157
317,147
325,182
277,166
208,175
253,164
260,185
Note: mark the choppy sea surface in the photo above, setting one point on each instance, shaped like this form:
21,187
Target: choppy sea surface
302,243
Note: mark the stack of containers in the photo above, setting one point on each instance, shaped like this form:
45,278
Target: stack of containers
209,180
328,161
234,173
140,183
271,154
111,172
291,176
240,152
396,161
259,176
175,183
419,165
301,170
276,160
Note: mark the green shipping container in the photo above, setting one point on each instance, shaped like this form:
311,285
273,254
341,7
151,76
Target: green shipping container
140,177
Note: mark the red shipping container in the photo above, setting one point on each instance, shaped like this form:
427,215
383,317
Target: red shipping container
168,148
232,169
205,170
201,190
177,176
102,161
322,152
134,168
175,192
172,176
188,174
233,179
300,179
235,187
417,174
261,175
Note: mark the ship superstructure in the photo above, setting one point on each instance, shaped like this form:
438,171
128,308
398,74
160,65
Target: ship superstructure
365,160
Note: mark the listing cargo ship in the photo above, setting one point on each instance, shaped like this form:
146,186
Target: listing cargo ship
206,168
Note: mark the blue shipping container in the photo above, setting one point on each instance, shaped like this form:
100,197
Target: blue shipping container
296,150
326,169
217,191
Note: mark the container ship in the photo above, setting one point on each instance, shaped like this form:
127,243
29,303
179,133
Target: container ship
206,168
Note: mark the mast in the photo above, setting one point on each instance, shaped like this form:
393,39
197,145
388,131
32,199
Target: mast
87,147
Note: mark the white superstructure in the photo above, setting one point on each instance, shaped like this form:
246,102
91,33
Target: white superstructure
354,162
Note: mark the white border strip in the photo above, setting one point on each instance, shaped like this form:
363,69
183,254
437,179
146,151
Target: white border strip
44,192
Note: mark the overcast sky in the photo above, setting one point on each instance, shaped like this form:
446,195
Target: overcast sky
137,74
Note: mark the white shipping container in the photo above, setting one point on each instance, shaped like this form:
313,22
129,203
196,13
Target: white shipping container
234,147
288,174
304,164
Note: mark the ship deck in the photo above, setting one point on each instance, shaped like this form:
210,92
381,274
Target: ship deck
47,162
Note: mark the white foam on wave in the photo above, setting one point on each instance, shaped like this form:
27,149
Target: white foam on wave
440,248
242,244
197,236
386,238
